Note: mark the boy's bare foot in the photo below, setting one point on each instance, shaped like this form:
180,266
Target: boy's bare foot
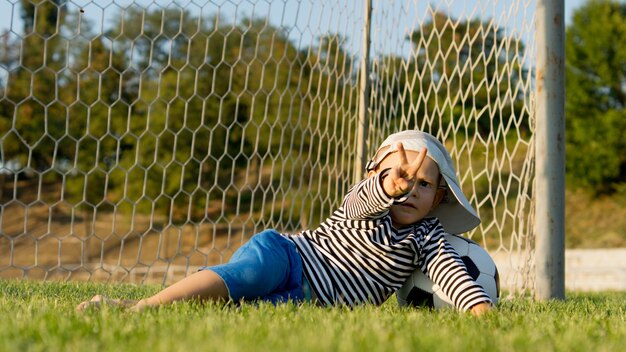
98,301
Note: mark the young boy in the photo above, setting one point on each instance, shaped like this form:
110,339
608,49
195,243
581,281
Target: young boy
387,226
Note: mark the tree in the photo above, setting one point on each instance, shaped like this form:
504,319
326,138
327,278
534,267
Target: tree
178,111
595,45
459,69
138,90
39,119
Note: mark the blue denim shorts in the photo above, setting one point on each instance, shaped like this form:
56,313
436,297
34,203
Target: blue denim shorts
268,268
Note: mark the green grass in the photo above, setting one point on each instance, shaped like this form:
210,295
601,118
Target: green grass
40,316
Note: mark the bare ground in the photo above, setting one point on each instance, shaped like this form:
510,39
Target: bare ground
55,241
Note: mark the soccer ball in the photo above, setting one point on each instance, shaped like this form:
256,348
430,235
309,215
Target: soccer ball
420,291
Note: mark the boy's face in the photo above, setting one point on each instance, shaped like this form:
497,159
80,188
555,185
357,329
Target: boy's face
424,196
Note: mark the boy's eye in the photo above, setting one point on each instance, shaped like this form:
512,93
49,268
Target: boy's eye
424,184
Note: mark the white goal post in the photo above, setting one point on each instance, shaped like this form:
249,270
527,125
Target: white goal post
142,139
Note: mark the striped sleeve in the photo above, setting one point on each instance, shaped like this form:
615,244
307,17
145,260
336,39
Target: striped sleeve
442,264
367,199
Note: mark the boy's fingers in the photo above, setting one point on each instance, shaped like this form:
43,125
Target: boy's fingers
415,165
402,154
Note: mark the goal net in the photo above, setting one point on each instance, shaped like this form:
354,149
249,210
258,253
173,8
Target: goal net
140,140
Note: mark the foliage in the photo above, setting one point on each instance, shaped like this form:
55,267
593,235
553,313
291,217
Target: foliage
43,318
596,95
464,75
38,118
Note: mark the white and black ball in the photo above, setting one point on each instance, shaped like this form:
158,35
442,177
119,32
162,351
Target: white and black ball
420,291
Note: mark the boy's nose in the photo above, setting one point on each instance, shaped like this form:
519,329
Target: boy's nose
414,193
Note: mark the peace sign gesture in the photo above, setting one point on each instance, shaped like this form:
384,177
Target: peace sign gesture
402,174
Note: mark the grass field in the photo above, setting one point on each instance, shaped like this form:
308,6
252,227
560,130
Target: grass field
40,316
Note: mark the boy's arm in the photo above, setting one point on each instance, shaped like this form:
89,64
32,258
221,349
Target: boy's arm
368,199
444,266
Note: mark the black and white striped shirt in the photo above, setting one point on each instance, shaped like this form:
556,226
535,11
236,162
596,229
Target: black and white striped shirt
356,256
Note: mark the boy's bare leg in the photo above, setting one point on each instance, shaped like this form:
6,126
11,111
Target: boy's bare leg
202,285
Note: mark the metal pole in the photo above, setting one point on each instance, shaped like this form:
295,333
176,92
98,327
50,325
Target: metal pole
364,87
550,151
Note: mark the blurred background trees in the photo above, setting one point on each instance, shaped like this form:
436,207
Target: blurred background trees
596,96
166,112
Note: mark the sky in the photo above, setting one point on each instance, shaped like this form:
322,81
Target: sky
285,11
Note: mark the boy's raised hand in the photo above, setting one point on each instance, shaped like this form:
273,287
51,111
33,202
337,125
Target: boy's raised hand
401,177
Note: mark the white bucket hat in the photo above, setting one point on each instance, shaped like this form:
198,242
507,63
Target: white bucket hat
455,213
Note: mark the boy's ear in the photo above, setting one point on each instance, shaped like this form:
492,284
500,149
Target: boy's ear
441,192
371,173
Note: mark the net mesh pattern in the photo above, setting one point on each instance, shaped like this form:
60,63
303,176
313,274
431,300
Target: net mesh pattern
140,140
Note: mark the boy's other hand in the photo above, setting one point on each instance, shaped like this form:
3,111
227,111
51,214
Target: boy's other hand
480,309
